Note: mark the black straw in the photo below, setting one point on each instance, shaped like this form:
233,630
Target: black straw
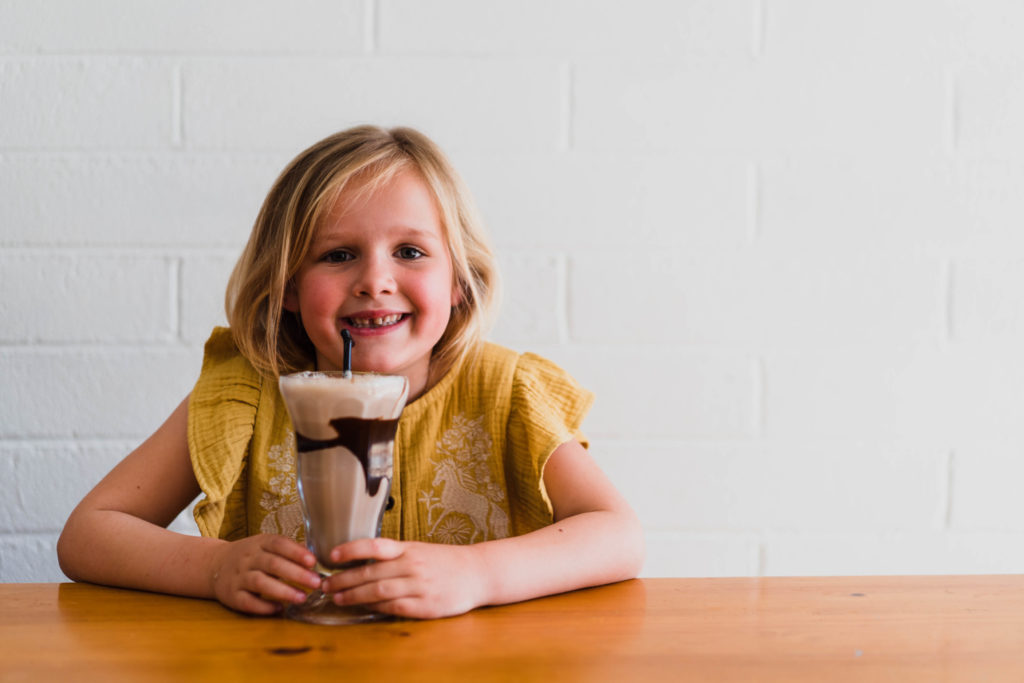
346,361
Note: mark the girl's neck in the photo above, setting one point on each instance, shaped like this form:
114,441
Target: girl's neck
420,385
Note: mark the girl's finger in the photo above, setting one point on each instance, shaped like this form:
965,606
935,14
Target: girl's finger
358,576
244,601
289,549
367,549
281,568
270,588
384,591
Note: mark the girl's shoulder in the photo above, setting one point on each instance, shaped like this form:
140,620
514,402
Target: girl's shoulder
222,358
228,389
545,406
496,376
223,419
534,383
529,371
501,368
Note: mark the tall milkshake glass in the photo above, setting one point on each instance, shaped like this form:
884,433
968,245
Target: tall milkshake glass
345,427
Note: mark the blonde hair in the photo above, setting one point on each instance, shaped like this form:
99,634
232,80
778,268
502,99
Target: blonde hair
365,157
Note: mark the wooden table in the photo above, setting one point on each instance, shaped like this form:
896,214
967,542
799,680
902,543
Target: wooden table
966,628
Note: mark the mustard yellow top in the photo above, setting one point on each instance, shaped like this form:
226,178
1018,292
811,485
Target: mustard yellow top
469,453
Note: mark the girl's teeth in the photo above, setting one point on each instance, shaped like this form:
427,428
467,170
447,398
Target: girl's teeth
376,322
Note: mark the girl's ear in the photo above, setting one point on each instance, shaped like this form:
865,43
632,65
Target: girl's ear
291,298
456,294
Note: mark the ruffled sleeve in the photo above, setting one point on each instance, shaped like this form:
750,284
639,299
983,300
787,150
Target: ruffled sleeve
548,407
221,417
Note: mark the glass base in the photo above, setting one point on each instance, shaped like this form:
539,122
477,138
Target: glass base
320,609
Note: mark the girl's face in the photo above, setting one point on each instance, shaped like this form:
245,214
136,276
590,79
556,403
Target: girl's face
379,268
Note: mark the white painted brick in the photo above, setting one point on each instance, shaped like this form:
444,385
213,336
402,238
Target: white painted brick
257,26
941,395
763,299
988,299
778,486
10,500
85,297
990,205
985,553
986,28
650,105
49,479
204,280
663,391
44,481
30,559
846,393
985,490
760,107
291,103
133,200
600,200
990,106
878,31
630,297
797,208
986,392
532,299
659,27
79,102
863,203
903,553
103,392
700,555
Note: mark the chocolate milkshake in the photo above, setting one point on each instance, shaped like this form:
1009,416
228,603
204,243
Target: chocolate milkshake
344,434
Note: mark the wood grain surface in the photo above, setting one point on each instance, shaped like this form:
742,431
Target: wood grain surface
937,628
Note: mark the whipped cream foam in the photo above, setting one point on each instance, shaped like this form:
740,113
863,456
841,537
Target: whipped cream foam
316,398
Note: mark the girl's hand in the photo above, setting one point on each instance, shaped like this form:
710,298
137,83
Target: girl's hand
253,574
408,579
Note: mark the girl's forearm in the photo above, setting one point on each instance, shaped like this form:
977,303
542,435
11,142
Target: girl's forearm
588,549
118,549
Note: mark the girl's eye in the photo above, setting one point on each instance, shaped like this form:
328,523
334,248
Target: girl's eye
410,253
337,256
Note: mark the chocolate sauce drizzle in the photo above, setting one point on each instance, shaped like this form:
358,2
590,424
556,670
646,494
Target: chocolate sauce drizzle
360,437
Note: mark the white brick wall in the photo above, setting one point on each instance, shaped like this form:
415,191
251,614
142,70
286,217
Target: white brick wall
780,239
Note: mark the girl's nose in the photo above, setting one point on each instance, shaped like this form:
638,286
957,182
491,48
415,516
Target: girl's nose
375,277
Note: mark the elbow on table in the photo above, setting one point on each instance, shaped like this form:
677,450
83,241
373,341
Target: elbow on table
624,549
68,552
635,548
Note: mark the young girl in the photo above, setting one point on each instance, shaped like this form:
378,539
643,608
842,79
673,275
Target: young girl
495,498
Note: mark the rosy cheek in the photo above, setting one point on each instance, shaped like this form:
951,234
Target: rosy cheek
315,295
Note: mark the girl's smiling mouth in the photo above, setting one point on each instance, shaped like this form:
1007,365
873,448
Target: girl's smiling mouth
375,322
